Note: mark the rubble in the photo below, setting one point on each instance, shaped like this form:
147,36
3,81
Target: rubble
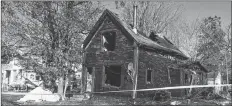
39,94
162,96
77,98
175,103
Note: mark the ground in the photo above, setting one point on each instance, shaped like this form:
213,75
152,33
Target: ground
103,100
8,100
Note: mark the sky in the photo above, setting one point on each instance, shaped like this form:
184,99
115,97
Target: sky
201,9
194,10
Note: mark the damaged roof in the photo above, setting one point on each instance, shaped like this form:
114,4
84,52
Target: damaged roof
162,45
191,64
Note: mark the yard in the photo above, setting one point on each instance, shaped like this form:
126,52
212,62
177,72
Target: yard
106,100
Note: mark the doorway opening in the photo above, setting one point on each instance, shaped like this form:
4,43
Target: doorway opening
113,75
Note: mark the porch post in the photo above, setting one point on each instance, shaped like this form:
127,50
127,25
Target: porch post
84,74
84,80
136,59
93,80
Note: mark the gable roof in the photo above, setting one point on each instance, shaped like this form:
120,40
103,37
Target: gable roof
141,40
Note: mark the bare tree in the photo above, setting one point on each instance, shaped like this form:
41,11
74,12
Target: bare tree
152,16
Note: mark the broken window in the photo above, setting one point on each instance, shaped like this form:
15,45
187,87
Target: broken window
8,72
201,76
113,75
186,78
149,75
89,70
109,40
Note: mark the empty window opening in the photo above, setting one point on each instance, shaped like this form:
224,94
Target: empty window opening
186,78
113,75
21,73
8,72
90,70
37,78
109,41
201,76
149,75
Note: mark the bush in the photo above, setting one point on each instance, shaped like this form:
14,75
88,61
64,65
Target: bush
209,94
49,79
162,96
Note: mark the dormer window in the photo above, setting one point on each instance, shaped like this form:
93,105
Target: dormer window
109,40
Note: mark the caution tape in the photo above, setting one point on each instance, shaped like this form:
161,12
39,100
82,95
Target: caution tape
168,88
151,89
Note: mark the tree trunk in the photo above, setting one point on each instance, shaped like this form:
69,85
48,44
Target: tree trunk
214,77
191,83
84,80
135,76
67,79
227,73
61,87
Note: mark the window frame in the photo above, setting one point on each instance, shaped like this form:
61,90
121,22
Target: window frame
37,76
105,31
146,81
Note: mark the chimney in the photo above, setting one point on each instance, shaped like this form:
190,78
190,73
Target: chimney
135,19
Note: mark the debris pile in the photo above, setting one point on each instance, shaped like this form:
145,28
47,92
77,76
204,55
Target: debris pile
175,103
39,94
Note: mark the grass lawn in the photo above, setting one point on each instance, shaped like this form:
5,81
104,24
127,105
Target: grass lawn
103,100
8,100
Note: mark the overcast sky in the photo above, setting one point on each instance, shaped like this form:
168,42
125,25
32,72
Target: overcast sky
194,10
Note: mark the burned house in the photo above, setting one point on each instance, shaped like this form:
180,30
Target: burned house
113,47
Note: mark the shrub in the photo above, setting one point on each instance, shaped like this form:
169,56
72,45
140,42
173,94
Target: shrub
49,78
162,96
209,94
